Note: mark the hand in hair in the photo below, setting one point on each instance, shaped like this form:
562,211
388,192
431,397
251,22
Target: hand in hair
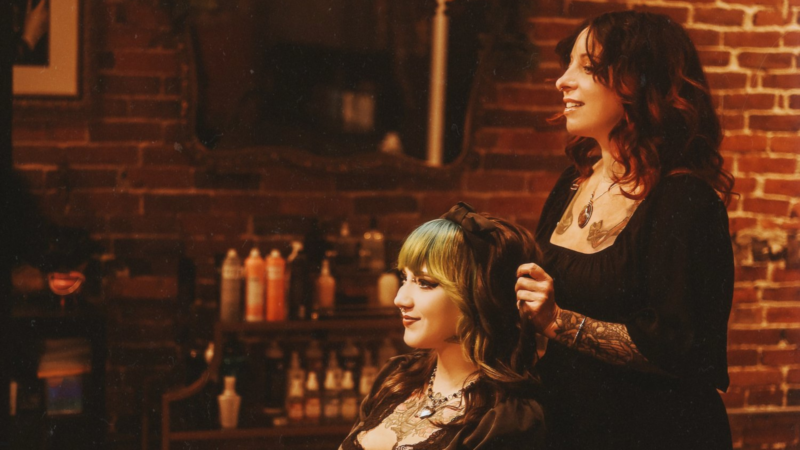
535,298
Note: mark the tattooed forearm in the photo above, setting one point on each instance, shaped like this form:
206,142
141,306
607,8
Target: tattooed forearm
606,341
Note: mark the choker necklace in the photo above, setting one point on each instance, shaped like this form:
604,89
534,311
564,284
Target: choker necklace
586,214
435,403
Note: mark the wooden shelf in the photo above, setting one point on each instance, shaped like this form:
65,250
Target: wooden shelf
274,432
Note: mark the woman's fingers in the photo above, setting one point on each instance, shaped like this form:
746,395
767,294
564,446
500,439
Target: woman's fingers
533,270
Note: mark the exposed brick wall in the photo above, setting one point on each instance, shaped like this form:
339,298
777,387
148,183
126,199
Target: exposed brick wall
118,172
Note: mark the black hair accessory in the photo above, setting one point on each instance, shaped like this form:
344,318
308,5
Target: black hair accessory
476,227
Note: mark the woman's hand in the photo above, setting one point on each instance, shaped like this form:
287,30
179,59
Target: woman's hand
535,298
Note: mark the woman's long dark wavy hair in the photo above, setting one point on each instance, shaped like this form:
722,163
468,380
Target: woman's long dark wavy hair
669,124
490,331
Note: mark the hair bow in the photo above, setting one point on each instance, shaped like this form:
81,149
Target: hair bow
476,228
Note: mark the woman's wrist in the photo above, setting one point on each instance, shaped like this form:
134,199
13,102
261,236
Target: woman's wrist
555,327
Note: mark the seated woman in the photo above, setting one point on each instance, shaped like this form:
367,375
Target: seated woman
468,384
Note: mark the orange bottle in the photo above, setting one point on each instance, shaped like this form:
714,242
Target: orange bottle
276,287
255,276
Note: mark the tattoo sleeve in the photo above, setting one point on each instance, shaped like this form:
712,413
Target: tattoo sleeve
606,341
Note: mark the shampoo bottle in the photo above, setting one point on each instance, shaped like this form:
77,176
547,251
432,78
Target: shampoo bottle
312,404
229,403
255,273
349,399
326,287
230,309
276,292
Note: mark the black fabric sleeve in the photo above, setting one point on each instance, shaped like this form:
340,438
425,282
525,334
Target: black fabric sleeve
512,424
686,265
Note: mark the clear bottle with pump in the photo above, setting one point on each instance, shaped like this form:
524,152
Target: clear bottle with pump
368,374
349,398
372,254
312,405
229,402
331,403
326,288
255,296
230,295
276,287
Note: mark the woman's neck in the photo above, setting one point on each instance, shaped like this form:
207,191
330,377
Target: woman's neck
453,370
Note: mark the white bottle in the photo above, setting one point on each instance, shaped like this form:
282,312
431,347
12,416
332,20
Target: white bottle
230,292
388,285
229,403
349,399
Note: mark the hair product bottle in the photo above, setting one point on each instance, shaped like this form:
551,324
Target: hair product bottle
349,399
230,292
372,255
301,293
368,374
229,403
255,273
295,402
350,355
276,287
331,404
314,359
326,287
312,404
388,285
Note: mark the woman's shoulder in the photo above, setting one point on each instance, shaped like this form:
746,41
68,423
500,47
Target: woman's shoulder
686,192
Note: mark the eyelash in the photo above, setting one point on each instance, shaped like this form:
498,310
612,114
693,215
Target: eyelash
424,284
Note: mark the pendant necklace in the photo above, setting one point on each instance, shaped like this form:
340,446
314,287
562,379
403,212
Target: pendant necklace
586,214
433,404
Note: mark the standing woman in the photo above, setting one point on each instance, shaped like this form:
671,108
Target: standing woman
468,384
635,285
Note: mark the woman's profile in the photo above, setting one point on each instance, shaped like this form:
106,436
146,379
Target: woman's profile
468,383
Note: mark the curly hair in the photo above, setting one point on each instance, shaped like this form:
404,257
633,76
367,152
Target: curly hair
669,123
490,331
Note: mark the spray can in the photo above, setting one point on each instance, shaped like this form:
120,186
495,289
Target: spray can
255,274
230,295
276,287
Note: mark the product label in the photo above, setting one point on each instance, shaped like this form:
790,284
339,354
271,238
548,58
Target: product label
275,272
295,410
313,408
349,408
231,272
255,299
332,408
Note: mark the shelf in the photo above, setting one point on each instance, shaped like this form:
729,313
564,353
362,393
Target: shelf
298,326
274,432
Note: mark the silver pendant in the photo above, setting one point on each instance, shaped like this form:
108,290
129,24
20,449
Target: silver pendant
425,412
585,215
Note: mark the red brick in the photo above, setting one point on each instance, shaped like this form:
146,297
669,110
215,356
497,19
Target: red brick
155,178
532,141
783,315
782,294
751,39
125,36
763,61
163,109
762,430
385,204
745,185
793,376
591,9
744,295
150,287
167,155
750,273
519,96
787,122
781,275
248,203
160,62
747,315
134,223
222,225
793,399
767,396
81,179
768,17
547,75
785,144
744,143
495,181
782,187
755,377
760,336
103,203
715,58
781,81
176,203
505,206
734,398
732,122
762,165
60,131
766,206
538,120
318,205
286,179
791,39
525,162
719,16
749,101
113,107
703,37
741,223
542,182
128,85
772,3
780,357
680,15
742,357
726,80
125,131
794,101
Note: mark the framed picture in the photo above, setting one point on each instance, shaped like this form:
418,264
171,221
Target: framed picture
47,64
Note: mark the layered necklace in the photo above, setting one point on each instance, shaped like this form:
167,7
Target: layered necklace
586,214
433,403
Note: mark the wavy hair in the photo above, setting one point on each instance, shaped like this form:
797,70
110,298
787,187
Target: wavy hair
490,331
669,124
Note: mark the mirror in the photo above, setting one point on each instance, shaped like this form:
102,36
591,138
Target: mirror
335,82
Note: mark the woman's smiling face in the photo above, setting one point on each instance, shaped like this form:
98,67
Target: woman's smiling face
590,107
429,316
